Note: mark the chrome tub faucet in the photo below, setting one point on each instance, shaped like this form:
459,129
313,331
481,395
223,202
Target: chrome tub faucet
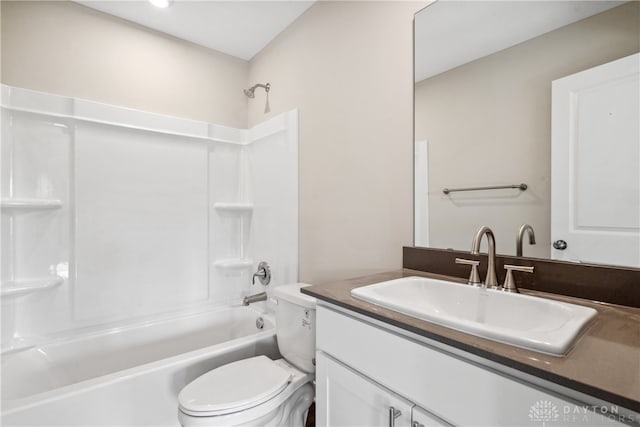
264,276
262,296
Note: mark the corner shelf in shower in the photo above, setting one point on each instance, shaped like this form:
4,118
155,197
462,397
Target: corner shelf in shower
16,204
16,288
233,207
234,263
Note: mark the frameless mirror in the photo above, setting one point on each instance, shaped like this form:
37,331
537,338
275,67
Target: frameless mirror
537,93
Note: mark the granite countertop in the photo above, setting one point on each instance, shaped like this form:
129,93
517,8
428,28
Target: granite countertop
604,362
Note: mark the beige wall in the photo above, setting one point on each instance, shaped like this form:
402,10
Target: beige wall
68,49
489,123
348,67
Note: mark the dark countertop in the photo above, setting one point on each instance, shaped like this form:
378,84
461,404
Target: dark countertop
604,362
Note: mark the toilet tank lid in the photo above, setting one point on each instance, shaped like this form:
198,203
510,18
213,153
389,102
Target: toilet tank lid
292,294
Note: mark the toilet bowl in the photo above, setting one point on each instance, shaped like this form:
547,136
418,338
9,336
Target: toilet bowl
260,391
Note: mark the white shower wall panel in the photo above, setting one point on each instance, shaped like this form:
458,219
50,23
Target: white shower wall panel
39,156
141,222
37,159
273,162
227,168
256,218
230,230
36,151
130,216
40,244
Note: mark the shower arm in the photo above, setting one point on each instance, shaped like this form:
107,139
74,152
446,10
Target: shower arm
251,91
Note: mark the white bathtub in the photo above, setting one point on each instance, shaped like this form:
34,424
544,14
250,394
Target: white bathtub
127,376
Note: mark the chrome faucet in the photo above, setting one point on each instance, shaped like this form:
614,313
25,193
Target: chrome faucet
491,280
532,237
262,296
263,274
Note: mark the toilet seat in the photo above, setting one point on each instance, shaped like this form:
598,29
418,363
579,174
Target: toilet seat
234,387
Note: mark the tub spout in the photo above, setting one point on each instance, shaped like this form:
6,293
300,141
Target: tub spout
262,296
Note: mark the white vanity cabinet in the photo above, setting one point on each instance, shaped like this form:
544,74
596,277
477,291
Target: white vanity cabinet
351,399
366,368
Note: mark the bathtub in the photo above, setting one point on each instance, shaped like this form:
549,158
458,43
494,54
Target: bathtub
127,376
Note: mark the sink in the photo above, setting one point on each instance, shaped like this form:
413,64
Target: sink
525,321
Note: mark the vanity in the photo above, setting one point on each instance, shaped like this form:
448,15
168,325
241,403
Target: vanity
491,124
377,366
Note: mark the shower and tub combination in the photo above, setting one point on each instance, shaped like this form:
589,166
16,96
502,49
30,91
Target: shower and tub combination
129,240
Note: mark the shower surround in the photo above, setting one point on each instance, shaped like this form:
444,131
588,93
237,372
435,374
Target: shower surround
113,217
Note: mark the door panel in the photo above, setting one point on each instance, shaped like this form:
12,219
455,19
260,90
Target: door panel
346,398
595,204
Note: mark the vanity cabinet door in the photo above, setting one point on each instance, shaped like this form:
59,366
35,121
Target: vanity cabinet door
346,398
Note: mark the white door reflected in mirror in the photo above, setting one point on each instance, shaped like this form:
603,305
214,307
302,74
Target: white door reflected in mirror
594,128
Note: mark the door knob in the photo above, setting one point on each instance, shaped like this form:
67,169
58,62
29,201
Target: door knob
560,245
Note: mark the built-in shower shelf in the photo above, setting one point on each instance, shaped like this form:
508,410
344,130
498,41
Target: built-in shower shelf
30,204
15,288
234,263
233,207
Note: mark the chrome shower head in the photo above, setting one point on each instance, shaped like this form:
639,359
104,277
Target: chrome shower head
251,93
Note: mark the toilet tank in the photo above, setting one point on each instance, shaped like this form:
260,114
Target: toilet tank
296,326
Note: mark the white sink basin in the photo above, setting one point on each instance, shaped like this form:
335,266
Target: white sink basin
521,320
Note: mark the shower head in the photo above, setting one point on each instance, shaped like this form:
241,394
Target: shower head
251,93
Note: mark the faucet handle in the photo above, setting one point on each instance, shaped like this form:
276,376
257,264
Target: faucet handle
474,277
263,274
509,283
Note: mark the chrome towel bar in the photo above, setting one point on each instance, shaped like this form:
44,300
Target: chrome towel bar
495,187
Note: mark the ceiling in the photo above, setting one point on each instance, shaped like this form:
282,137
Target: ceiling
452,33
237,28
448,33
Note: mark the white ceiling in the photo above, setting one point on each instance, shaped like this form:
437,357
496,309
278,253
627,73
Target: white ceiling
448,33
237,28
451,33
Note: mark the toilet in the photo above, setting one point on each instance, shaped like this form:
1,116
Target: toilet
260,391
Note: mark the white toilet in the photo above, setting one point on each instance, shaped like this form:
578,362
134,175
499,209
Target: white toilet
260,391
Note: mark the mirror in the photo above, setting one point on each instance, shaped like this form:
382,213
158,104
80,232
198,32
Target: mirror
483,117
